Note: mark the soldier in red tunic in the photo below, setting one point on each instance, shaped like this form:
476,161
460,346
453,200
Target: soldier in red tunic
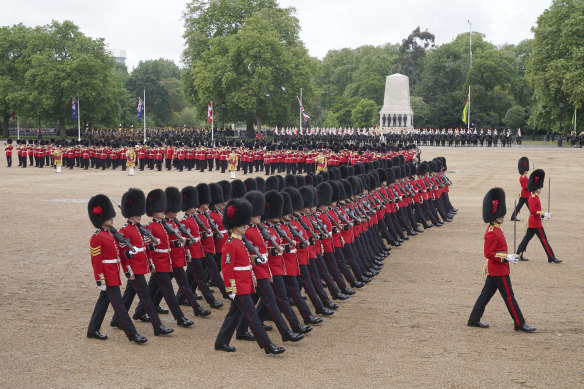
495,250
105,259
8,148
523,167
535,226
135,261
239,281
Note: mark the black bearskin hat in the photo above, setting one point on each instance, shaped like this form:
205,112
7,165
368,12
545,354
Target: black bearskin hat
535,181
237,189
155,202
523,165
325,175
422,169
204,193
309,179
324,193
287,209
226,188
190,198
382,175
290,180
272,183
274,205
359,168
300,181
494,205
173,199
319,179
281,182
336,191
237,213
307,196
355,185
347,188
344,171
250,184
100,209
261,184
133,203
296,197
216,193
257,201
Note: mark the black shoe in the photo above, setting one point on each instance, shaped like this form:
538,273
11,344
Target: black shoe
245,336
216,304
302,329
198,297
448,219
96,335
183,301
159,309
224,347
364,279
419,230
378,263
330,305
439,224
325,311
522,258
554,260
412,233
313,320
368,274
162,330
426,226
137,338
480,324
515,219
143,317
292,337
184,322
202,312
341,296
357,284
396,244
268,327
348,291
115,324
406,237
273,349
524,328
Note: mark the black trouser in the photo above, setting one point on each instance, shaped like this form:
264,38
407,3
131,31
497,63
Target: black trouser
185,287
9,160
353,258
168,162
139,287
309,287
492,283
215,276
292,285
316,280
268,303
540,232
242,306
282,298
331,262
111,295
342,262
195,279
160,286
326,275
522,200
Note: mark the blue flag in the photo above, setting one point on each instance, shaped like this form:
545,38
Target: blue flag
74,112
140,110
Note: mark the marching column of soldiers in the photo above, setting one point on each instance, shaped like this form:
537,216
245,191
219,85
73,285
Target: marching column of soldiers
260,242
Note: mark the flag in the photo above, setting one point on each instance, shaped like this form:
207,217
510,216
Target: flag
74,112
140,109
574,117
210,113
304,115
13,115
465,112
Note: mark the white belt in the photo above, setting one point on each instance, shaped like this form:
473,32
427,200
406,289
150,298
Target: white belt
293,251
139,250
242,268
162,250
223,231
110,260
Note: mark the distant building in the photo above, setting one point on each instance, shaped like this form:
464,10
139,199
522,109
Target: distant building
119,55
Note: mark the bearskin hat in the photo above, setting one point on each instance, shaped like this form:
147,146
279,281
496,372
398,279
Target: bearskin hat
281,182
347,188
261,184
133,203
344,171
237,189
325,175
204,193
422,169
9,141
173,199
523,165
359,168
535,181
319,179
226,188
100,209
355,185
272,183
237,213
155,202
190,197
324,193
250,184
287,209
309,179
257,201
494,205
296,197
290,180
382,175
336,191
307,196
432,166
274,204
300,181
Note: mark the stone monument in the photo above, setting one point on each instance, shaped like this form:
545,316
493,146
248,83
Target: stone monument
396,112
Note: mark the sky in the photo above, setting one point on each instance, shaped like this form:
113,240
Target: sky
151,29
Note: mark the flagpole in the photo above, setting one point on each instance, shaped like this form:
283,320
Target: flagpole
212,121
144,111
78,120
17,128
575,117
300,111
470,68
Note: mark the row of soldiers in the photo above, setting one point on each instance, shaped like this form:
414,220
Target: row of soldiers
260,242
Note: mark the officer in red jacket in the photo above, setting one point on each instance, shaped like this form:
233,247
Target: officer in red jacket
135,261
105,259
535,226
523,167
239,282
8,148
494,210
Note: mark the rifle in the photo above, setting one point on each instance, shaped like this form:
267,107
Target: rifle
299,220
342,218
214,226
202,225
297,234
143,230
184,231
170,229
283,235
267,236
320,228
251,248
549,192
122,239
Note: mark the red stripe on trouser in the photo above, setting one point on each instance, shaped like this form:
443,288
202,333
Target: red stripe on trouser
255,331
510,301
161,285
282,304
263,292
115,306
182,286
141,295
545,243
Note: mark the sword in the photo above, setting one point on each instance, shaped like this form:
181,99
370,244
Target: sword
515,231
549,192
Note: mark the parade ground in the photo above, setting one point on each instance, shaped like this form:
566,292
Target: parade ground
406,328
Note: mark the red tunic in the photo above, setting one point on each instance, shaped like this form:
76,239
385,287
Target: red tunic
290,258
177,254
495,243
191,225
276,262
217,217
254,235
208,244
138,262
105,257
236,267
523,181
161,255
534,207
327,244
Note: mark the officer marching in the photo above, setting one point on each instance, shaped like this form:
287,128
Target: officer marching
232,160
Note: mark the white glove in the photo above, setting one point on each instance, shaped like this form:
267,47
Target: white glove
103,287
547,215
133,251
512,258
231,296
263,259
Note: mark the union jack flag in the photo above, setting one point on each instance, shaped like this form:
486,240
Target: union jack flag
304,115
140,109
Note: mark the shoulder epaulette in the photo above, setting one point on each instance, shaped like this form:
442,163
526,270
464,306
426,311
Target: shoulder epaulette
96,232
229,240
491,228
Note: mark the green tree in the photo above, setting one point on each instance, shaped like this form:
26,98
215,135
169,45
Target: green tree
411,55
246,53
515,117
365,113
555,68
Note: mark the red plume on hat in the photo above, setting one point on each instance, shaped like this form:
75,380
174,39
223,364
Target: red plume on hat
494,205
100,209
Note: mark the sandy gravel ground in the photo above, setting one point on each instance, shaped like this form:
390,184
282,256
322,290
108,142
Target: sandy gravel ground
407,328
